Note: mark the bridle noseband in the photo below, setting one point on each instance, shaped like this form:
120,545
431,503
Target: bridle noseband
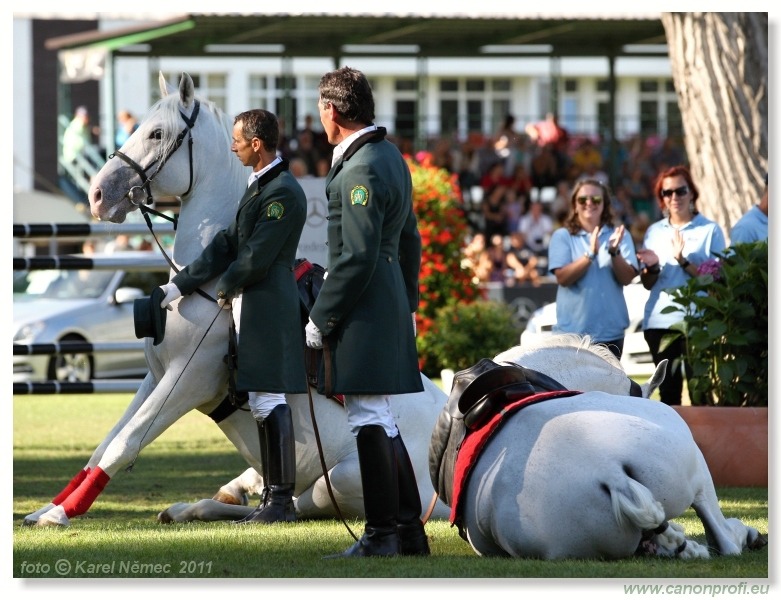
142,171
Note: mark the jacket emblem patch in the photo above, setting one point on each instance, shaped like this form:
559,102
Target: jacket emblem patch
275,210
359,195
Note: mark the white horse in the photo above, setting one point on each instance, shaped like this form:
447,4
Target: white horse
182,149
584,476
231,500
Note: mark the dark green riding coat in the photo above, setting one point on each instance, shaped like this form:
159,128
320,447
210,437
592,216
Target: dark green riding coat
365,306
255,257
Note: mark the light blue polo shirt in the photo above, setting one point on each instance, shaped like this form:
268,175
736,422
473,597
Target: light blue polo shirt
594,304
751,227
702,239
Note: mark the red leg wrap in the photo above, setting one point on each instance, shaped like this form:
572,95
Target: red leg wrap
74,483
79,501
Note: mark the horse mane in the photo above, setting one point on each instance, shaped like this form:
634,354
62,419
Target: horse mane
565,340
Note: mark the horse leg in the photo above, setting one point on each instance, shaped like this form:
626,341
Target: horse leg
140,397
203,510
238,490
142,429
725,536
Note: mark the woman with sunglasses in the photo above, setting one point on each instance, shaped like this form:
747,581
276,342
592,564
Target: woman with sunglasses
673,248
592,261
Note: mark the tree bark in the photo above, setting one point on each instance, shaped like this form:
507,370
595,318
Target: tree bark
720,70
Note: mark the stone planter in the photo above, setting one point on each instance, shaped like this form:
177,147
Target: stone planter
733,441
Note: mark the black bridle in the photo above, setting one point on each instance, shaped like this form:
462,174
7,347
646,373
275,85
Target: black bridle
146,180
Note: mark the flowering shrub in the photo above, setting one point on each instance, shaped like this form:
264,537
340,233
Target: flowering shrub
726,329
443,229
465,333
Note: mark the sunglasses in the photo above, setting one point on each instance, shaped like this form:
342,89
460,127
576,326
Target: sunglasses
595,200
680,192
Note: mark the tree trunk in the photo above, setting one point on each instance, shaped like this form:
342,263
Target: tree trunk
720,70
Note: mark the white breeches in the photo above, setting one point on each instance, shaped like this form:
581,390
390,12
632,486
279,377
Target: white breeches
369,410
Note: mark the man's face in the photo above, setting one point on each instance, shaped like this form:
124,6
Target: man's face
326,118
243,149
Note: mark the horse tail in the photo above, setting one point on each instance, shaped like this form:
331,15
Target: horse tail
638,507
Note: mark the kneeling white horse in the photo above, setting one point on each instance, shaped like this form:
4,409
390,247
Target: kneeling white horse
230,502
591,475
182,148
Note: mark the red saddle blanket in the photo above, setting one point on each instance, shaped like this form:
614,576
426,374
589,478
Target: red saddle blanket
475,441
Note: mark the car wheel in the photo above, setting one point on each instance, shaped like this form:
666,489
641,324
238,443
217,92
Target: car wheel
71,367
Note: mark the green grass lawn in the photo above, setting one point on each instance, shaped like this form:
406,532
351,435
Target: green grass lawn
53,436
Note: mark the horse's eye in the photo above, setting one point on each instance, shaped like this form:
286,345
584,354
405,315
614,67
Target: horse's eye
157,134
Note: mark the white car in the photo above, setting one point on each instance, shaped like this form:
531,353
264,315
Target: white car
636,357
92,306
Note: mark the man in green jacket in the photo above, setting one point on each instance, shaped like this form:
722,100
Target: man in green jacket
365,310
254,259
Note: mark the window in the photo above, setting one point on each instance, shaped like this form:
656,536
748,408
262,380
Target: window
448,117
406,117
258,91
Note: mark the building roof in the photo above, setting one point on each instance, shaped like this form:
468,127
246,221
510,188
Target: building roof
367,34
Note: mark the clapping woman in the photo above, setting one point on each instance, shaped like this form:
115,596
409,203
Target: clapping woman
672,250
592,261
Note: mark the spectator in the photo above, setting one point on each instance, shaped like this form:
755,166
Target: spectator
495,211
640,195
76,138
505,142
473,255
592,261
545,168
548,132
493,262
126,126
586,157
537,228
521,184
752,226
522,261
672,250
305,150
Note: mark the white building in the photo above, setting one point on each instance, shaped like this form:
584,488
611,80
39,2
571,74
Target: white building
445,96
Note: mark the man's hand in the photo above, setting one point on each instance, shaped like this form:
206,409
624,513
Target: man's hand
314,338
171,293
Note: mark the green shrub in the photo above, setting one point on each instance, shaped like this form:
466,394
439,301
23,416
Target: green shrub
463,334
726,328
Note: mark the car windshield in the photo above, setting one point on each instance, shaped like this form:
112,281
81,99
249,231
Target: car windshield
60,284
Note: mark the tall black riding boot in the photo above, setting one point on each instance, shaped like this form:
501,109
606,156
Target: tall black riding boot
412,536
278,455
380,495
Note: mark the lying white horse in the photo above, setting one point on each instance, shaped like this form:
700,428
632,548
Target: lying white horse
182,148
230,502
584,476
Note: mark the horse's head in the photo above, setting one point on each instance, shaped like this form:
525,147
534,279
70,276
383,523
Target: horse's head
578,364
161,158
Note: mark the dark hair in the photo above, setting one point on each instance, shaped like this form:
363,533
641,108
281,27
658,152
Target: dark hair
261,124
349,92
572,222
677,171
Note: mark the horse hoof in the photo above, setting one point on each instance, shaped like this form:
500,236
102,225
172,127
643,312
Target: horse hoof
228,498
164,517
758,542
56,517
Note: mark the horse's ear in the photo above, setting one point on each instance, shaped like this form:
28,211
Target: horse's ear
165,89
186,89
656,379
